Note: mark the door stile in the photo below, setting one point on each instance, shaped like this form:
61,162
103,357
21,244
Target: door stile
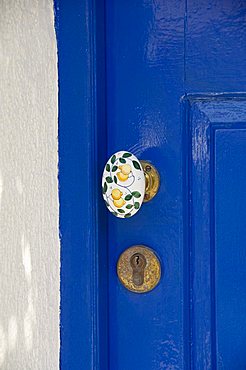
82,145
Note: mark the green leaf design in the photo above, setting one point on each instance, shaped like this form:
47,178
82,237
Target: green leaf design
105,188
113,159
114,168
136,205
136,165
129,206
120,210
136,194
115,179
107,167
126,155
107,204
128,197
122,160
109,179
127,215
115,213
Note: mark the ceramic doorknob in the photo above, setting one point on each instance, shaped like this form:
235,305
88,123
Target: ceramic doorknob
128,182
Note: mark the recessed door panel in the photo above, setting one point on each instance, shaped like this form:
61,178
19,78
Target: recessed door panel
230,246
218,241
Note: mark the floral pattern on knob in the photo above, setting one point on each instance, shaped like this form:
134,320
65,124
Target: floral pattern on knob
123,184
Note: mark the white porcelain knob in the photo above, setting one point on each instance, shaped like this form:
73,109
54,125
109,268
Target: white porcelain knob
123,184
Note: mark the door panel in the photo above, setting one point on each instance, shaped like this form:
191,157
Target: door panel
215,45
230,242
144,86
157,54
218,180
128,72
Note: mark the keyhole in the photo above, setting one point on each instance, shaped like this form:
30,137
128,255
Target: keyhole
138,264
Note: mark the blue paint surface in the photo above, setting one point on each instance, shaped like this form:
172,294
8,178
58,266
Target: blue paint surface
80,40
217,224
144,84
127,74
230,242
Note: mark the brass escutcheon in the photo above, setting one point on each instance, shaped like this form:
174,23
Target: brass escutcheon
139,269
152,180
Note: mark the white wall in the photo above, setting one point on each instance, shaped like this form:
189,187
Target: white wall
29,242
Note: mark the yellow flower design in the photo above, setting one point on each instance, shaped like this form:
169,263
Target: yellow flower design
116,194
119,203
124,173
117,200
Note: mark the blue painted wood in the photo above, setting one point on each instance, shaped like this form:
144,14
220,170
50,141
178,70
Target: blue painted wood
230,241
215,38
80,37
145,74
217,238
127,74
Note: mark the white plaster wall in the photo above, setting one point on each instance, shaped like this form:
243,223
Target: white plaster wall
29,240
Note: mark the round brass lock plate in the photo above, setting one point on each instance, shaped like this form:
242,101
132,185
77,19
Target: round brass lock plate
151,269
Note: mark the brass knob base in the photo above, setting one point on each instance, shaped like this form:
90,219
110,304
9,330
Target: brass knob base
152,180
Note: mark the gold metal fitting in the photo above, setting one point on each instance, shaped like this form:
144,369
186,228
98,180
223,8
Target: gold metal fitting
152,180
139,269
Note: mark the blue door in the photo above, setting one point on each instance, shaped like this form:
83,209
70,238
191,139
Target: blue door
166,81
